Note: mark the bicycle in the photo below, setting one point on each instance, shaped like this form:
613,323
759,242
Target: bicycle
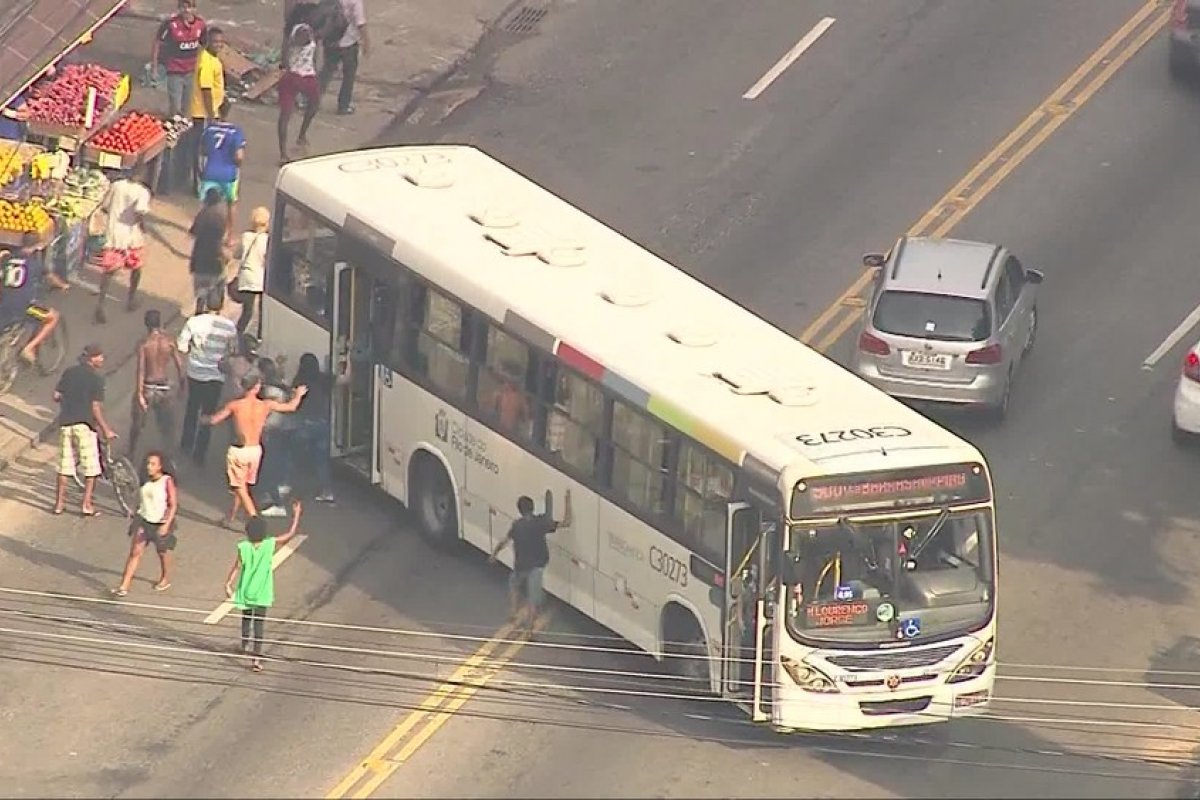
119,473
14,337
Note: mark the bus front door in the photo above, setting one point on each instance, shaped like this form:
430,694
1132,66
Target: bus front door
744,626
355,404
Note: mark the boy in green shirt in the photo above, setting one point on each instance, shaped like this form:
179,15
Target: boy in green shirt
254,571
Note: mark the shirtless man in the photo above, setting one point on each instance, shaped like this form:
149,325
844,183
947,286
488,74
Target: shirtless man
242,459
154,354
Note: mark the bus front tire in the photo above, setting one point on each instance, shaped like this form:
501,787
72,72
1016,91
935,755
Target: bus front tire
432,501
685,649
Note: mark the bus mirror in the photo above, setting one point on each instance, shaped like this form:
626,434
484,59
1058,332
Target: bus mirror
791,571
874,261
736,587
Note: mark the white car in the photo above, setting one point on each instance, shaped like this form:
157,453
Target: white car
1186,419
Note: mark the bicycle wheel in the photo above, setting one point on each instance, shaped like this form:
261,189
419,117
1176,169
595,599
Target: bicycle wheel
124,479
53,352
10,358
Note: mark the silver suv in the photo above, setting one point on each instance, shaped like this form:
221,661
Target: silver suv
949,322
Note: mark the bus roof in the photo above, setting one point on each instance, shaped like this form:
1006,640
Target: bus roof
647,330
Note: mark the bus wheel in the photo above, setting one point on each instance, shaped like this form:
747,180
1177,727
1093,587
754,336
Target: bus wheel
432,501
685,649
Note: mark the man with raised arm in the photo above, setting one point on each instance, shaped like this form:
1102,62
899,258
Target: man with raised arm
242,459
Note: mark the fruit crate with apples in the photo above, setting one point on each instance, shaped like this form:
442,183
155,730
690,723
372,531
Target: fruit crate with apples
57,109
136,135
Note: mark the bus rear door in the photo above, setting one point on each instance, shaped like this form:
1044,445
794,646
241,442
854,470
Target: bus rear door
355,404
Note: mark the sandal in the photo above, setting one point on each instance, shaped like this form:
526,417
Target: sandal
162,587
119,592
90,512
256,666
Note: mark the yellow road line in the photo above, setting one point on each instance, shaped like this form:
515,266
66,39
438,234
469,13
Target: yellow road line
433,712
1059,106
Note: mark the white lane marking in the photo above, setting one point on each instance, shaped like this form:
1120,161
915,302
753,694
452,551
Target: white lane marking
1173,339
789,57
283,554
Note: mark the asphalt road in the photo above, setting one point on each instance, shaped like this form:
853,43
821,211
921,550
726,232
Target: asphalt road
634,110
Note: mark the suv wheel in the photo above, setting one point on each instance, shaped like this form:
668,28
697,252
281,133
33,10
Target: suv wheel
1000,410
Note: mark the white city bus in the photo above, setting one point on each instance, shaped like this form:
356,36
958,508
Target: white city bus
745,508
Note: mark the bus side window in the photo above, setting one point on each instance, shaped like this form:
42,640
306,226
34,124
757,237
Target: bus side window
704,488
301,271
386,323
438,332
574,408
641,459
502,394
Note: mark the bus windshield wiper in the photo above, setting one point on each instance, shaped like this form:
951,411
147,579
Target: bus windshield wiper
857,539
920,546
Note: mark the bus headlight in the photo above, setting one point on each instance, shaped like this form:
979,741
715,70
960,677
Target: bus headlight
975,664
808,678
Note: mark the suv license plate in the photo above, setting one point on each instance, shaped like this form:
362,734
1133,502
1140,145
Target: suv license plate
919,360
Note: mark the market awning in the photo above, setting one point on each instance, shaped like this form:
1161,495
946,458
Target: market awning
34,34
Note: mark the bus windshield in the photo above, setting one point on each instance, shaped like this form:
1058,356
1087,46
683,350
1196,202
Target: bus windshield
869,582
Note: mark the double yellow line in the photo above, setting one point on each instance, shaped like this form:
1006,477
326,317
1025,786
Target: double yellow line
433,712
420,725
1005,157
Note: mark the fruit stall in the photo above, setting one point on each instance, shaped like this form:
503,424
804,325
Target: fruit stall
78,101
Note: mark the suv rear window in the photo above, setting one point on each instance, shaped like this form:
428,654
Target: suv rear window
932,316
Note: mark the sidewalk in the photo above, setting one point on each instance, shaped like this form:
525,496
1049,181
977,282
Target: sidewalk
415,43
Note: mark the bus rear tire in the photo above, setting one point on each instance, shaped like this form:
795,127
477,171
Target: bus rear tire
432,501
686,650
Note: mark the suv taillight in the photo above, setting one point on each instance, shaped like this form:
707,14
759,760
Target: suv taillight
1179,14
869,343
992,354
1191,367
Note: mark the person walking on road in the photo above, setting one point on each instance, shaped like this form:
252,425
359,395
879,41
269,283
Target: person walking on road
205,340
222,150
277,443
244,456
80,397
208,95
251,255
254,573
153,392
157,506
209,253
346,40
530,557
299,80
236,366
176,46
312,431
126,205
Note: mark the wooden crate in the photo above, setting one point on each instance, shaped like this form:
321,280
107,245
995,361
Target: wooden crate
13,238
108,160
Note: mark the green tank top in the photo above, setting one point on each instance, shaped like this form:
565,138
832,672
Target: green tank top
256,583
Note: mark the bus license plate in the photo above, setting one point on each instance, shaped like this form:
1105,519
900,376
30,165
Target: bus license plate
919,360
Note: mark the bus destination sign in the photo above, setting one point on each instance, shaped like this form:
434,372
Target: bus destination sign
845,494
837,614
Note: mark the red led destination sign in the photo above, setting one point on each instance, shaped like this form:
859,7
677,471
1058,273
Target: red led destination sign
955,483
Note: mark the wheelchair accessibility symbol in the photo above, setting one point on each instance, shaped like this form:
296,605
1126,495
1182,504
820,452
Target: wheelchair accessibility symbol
909,628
